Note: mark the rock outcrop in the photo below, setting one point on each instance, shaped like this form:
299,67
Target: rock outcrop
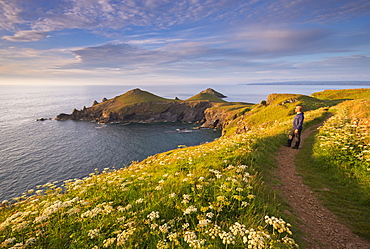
141,106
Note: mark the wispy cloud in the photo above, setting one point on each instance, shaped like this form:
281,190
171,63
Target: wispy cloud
9,14
26,36
202,38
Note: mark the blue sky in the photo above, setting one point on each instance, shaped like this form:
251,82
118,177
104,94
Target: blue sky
183,41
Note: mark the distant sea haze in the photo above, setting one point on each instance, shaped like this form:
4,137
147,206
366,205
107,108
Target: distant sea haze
326,83
37,152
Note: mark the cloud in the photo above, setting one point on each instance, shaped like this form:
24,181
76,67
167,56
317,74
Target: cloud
339,63
277,41
162,14
26,36
9,14
119,55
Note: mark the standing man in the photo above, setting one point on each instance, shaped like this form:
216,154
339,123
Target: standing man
296,129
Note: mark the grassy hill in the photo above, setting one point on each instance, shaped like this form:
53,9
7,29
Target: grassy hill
215,195
341,95
134,96
206,96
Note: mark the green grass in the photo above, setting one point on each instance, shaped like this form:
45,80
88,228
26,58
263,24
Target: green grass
341,95
135,96
337,176
206,96
215,195
209,195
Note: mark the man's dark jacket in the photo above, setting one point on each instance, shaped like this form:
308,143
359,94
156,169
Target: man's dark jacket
298,121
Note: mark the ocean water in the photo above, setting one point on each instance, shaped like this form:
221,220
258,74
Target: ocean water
36,152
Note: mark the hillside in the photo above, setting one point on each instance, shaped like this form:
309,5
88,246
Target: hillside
216,195
141,106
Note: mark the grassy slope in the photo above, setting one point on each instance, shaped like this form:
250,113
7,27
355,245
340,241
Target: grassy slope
194,190
206,96
343,95
334,164
129,98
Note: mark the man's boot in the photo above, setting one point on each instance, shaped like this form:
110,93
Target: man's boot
296,145
289,143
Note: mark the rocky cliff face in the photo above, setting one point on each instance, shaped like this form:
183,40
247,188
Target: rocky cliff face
154,110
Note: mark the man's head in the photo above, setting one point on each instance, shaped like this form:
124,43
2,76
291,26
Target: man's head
298,108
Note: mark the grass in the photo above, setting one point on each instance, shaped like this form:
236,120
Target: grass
206,96
341,95
134,96
205,196
215,195
335,164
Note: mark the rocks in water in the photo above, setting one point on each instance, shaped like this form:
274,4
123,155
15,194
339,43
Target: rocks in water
43,119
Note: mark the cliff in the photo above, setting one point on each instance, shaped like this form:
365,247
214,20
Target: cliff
141,106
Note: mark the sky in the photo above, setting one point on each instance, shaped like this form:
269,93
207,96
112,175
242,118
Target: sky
130,42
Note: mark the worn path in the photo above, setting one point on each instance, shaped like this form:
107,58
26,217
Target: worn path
320,226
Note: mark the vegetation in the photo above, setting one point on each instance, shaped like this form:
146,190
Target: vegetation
206,96
339,168
349,94
215,195
134,96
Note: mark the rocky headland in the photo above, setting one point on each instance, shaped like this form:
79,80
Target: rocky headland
206,108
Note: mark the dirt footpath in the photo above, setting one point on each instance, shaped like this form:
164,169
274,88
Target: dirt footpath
320,226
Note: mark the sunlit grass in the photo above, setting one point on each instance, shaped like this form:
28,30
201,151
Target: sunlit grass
215,195
208,196
339,167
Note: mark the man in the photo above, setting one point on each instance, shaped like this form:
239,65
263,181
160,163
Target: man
296,129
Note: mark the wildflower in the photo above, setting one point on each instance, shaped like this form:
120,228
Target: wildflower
238,229
164,228
159,187
154,226
124,236
214,231
173,237
153,215
9,241
162,245
238,197
93,233
30,241
172,195
278,224
244,204
227,238
108,242
221,198
204,222
210,215
289,241
191,239
185,226
190,210
40,219
141,200
199,186
255,239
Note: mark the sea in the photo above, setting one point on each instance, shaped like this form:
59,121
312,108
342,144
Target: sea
34,153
